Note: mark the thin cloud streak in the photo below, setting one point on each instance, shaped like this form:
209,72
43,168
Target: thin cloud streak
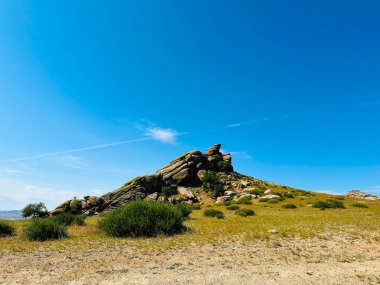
240,124
49,154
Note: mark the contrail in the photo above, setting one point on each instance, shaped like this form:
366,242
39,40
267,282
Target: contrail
75,150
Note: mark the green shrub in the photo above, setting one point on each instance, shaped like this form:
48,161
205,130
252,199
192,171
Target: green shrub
214,213
289,206
196,206
359,205
245,200
262,200
168,191
212,183
45,229
6,228
257,192
185,209
245,212
230,202
37,210
274,200
65,219
143,218
233,207
79,220
224,165
289,195
75,206
328,204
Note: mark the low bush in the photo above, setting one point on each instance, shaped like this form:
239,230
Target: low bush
233,207
262,200
274,200
212,183
245,200
65,219
196,206
75,206
143,218
289,195
359,205
289,206
245,212
45,229
185,209
328,204
79,220
257,192
214,213
6,228
228,203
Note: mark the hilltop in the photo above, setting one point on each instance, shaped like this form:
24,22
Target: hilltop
182,180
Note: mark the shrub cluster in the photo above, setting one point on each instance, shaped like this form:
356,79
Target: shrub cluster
214,213
196,206
185,209
212,183
45,229
69,219
6,228
245,200
233,207
228,203
257,192
359,205
264,200
245,212
143,218
328,204
289,206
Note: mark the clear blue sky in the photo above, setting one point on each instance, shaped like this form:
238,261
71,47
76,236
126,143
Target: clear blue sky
94,93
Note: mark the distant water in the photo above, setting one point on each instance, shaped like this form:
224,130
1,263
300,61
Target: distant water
11,215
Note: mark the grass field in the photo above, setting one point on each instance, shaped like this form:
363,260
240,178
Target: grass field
303,222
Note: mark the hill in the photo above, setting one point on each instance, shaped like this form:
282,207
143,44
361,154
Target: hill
11,215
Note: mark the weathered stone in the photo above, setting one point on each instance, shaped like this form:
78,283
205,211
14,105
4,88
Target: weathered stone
268,192
201,174
213,150
271,196
183,176
152,197
221,199
230,193
186,192
62,208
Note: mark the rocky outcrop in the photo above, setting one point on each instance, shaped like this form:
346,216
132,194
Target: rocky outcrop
175,178
361,195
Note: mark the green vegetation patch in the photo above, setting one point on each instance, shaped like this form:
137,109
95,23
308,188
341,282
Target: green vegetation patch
214,213
245,212
6,228
359,205
289,206
143,218
245,200
328,204
45,229
233,207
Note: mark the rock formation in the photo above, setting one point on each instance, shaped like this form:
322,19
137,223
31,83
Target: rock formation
175,178
361,195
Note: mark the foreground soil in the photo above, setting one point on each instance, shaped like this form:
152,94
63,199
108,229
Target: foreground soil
337,260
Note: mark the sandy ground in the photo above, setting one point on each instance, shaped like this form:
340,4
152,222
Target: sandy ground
282,261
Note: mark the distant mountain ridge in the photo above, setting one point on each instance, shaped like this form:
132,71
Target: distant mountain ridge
11,215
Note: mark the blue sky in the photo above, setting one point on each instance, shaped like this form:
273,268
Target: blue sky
95,93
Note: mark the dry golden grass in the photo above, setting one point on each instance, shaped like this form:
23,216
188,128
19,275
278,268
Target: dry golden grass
303,222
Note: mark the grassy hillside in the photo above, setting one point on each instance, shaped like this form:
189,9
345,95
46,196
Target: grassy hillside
303,221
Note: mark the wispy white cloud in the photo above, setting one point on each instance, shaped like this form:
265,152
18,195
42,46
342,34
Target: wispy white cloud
18,194
162,135
243,154
70,161
241,124
75,150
